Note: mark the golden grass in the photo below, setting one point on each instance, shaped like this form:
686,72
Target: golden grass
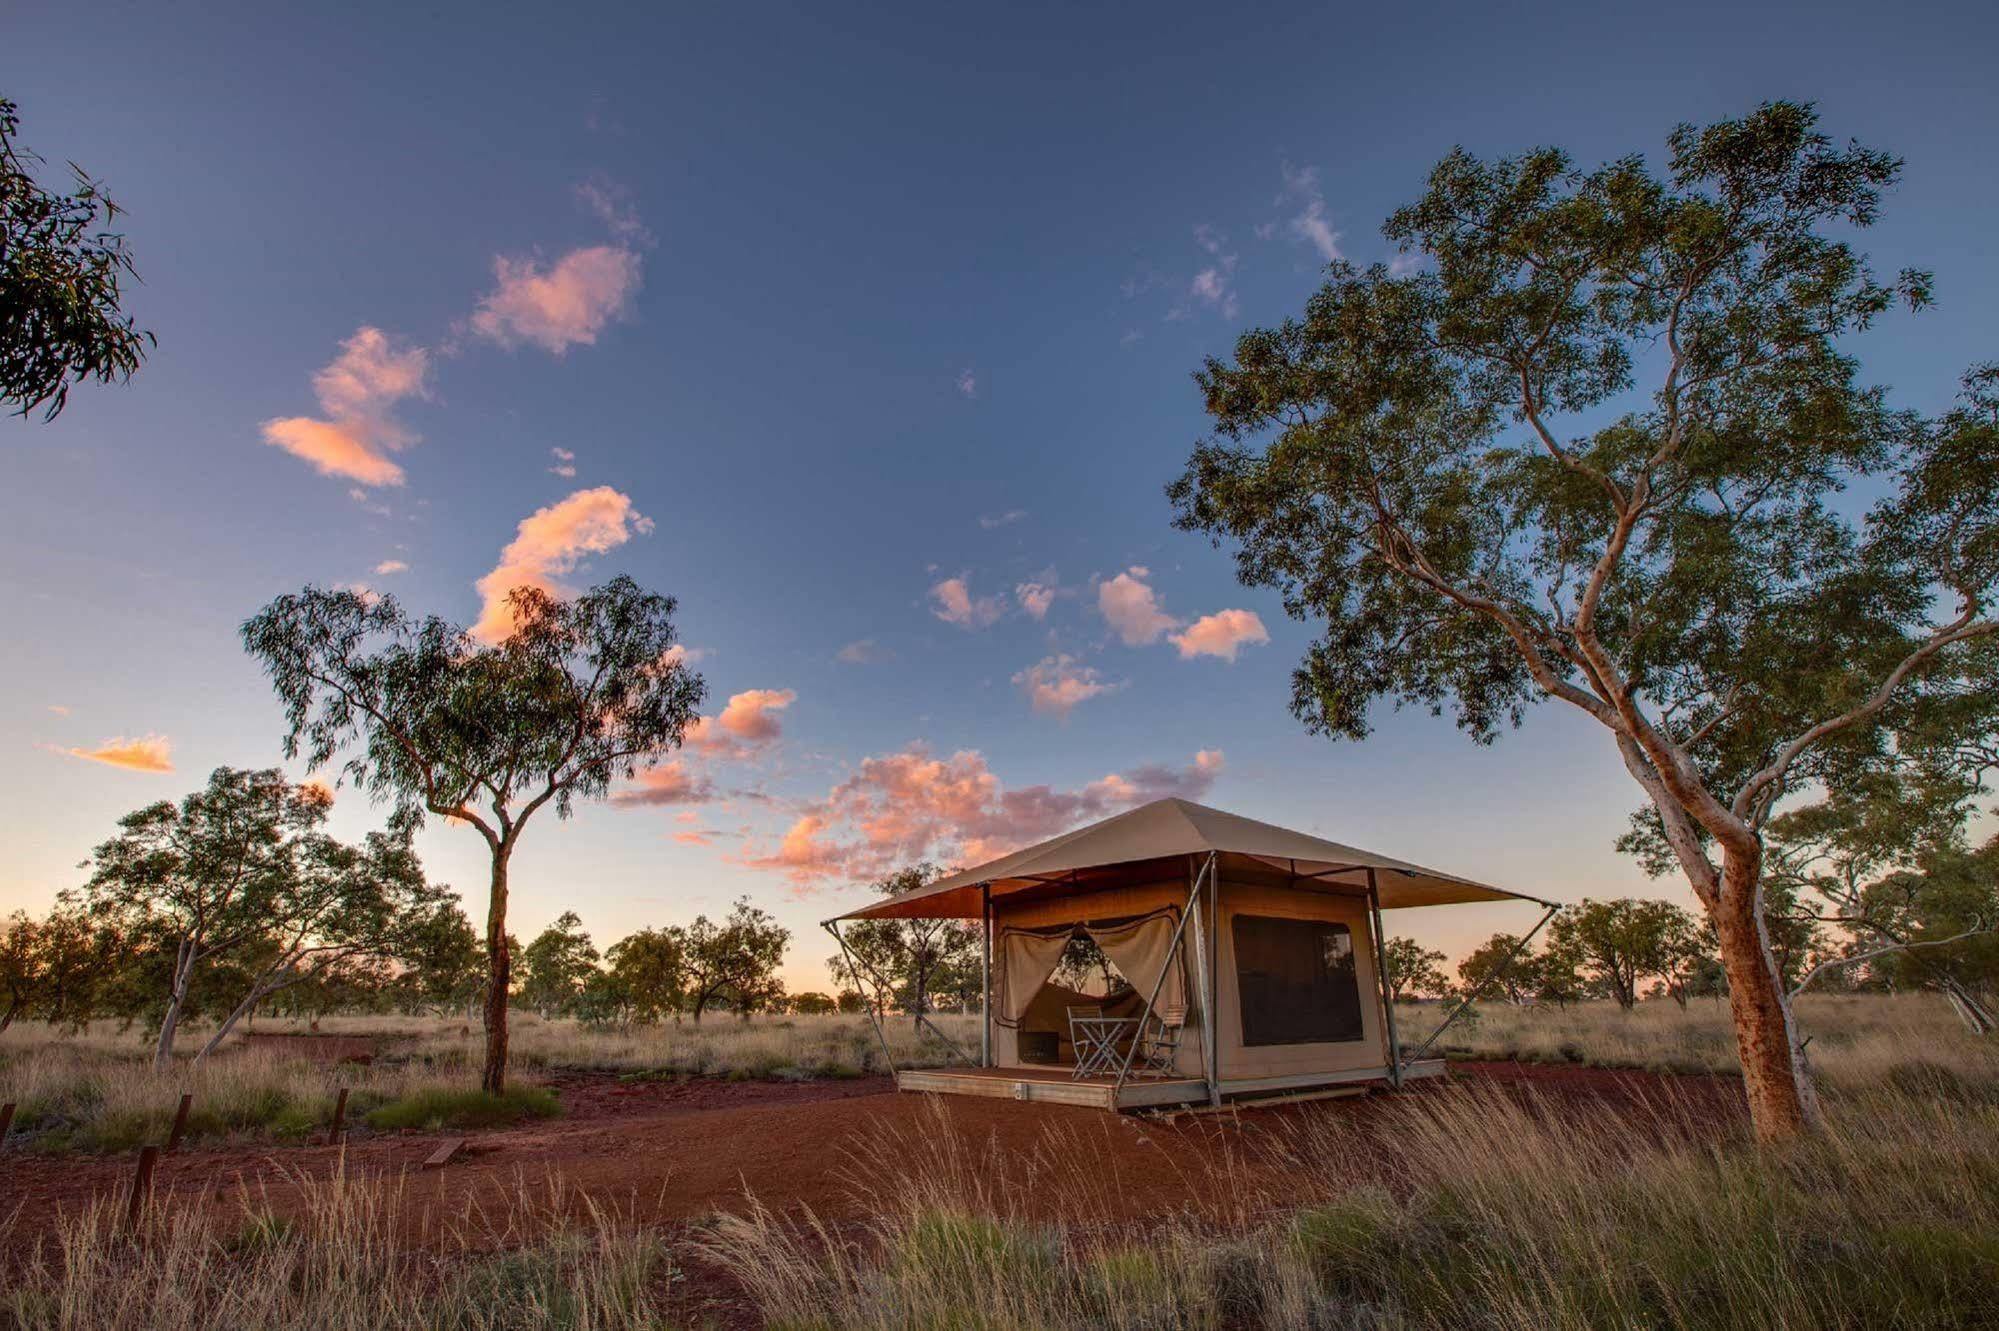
1855,1040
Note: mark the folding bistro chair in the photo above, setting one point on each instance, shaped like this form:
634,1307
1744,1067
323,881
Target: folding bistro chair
1090,1038
1159,1044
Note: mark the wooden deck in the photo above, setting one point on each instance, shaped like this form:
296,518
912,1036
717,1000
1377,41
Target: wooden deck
1054,1085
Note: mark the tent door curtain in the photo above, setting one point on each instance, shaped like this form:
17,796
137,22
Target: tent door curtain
1141,948
1026,959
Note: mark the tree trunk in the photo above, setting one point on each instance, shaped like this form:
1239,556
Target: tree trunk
163,1051
499,976
8,1019
249,1004
1782,1101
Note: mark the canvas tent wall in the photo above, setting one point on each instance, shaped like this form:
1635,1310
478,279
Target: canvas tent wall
1278,961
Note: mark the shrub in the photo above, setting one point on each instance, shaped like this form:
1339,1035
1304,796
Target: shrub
437,1108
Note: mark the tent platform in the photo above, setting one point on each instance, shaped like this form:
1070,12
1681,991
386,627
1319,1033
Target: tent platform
1054,1085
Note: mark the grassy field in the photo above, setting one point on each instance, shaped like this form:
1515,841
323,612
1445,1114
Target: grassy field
97,1090
1481,1210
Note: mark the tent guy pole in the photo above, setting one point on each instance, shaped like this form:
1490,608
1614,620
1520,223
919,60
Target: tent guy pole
1381,976
985,975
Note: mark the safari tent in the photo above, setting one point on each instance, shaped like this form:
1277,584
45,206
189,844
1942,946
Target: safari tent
1253,956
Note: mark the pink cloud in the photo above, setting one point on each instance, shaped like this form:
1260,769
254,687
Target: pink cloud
1054,685
901,807
147,753
357,390
1035,598
559,307
957,605
1131,607
694,838
749,722
550,542
669,783
1222,634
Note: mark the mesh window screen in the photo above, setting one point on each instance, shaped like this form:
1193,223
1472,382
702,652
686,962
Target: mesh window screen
1297,981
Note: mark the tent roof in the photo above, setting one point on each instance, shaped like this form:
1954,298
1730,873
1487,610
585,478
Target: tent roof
1167,829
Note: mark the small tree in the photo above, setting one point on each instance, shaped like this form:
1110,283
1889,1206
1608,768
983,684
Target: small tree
582,693
1515,983
339,911
1619,943
204,877
61,306
914,957
812,1004
442,963
54,968
735,961
1413,969
559,963
649,969
1587,448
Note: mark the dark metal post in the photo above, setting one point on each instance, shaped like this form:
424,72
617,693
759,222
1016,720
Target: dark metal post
6,1120
180,1122
1381,977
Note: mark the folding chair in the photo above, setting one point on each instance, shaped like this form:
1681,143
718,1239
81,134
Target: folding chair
1087,1039
1159,1045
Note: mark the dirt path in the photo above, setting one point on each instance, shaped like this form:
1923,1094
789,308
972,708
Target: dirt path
669,1152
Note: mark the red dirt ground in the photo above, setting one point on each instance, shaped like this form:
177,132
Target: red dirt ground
667,1152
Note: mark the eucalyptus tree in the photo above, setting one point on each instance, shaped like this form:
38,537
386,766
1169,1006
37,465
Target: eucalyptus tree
424,717
733,961
917,959
61,273
1598,437
204,877
336,908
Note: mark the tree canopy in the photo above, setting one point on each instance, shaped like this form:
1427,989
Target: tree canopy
62,317
424,717
1598,438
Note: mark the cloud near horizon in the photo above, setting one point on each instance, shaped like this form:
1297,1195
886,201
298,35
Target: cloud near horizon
902,807
565,305
146,753
357,390
550,542
1221,634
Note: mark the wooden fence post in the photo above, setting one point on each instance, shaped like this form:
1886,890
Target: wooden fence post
180,1122
142,1183
6,1120
339,1130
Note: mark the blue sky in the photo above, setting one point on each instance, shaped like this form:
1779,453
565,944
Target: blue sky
844,308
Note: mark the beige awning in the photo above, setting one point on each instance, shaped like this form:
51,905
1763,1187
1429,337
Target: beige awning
1170,829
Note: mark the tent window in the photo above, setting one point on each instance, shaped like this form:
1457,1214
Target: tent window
1297,981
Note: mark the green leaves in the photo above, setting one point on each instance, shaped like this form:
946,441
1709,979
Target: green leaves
61,315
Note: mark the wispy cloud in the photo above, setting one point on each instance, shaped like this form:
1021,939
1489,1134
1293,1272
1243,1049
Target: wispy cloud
901,807
1221,634
146,753
968,383
955,604
1131,607
1310,224
560,306
388,566
564,465
1056,685
865,651
357,390
550,542
1035,598
992,521
668,784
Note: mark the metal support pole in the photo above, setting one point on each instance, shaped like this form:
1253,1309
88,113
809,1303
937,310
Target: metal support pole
1464,1004
1381,977
1204,982
1214,999
854,969
985,975
1172,955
